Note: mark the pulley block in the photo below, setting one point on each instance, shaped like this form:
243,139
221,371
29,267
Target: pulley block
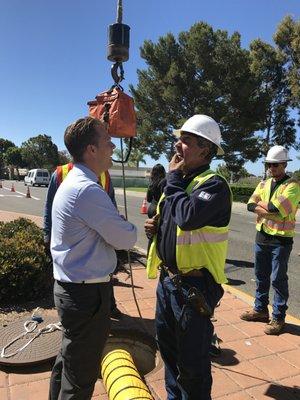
118,42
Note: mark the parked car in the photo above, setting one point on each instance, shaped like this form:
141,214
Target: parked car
37,177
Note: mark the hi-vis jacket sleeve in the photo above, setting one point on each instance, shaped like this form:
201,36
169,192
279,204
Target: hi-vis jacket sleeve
288,201
255,197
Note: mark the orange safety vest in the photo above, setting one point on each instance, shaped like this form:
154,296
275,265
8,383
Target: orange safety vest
63,170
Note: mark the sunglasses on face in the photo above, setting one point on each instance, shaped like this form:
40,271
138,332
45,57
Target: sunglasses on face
275,165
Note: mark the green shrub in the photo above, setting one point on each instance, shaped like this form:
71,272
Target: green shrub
242,190
25,269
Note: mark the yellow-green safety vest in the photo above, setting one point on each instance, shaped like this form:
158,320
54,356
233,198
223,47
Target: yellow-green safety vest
205,247
286,199
63,170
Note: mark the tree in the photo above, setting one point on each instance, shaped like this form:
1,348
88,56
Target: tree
296,174
268,66
203,71
232,175
2,166
278,126
224,171
40,152
4,146
64,157
136,157
287,38
13,158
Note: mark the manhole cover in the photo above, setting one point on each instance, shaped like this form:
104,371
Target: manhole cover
41,349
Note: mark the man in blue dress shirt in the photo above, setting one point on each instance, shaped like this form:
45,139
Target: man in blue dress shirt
86,228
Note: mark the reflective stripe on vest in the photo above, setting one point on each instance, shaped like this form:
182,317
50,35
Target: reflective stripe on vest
285,198
193,237
63,170
199,248
279,225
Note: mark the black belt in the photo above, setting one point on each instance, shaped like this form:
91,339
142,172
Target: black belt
172,273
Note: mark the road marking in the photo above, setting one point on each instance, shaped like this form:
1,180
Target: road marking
10,195
23,194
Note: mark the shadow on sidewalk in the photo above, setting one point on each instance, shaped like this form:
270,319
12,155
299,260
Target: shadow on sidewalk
272,391
279,392
28,370
227,357
235,282
292,329
239,264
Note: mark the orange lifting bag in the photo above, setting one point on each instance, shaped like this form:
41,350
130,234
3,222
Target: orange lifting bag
117,109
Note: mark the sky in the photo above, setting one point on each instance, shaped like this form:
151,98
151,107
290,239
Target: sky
53,53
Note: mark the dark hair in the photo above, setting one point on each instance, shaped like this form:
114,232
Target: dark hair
213,148
79,135
158,173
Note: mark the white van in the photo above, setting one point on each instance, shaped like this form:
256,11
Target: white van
37,177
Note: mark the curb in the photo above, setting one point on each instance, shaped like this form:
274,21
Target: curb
247,298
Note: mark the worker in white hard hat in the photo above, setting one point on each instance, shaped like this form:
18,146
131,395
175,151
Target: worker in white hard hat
190,236
275,203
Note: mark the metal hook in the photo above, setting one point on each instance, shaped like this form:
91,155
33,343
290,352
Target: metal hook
114,72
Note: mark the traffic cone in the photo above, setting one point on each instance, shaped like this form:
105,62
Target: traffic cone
12,188
144,208
28,193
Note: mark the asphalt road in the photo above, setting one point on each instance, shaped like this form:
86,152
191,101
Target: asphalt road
239,265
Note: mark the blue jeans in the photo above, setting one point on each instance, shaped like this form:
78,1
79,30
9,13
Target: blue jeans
184,337
271,264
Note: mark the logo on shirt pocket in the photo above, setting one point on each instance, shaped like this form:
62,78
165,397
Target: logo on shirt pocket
204,195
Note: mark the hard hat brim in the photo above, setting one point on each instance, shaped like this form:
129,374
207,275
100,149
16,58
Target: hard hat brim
177,133
272,160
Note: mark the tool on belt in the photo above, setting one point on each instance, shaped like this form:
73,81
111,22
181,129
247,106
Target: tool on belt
194,298
198,302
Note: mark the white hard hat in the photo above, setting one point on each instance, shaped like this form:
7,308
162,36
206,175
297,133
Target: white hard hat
277,154
202,125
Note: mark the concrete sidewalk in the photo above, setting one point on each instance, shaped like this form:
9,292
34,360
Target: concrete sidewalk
252,365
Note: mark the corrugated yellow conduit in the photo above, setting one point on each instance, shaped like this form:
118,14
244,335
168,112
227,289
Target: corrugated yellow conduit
121,378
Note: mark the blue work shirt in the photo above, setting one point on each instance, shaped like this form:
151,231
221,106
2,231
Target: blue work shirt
86,229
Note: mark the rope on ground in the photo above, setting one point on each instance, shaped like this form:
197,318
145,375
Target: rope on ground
29,327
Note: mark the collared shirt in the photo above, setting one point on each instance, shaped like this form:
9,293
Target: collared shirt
210,204
86,229
52,189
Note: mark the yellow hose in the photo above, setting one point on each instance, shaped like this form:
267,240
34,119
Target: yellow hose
121,378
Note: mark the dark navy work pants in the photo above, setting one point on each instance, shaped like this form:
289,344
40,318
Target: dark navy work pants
184,337
271,265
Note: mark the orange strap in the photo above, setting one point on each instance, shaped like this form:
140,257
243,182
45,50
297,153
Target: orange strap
62,171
